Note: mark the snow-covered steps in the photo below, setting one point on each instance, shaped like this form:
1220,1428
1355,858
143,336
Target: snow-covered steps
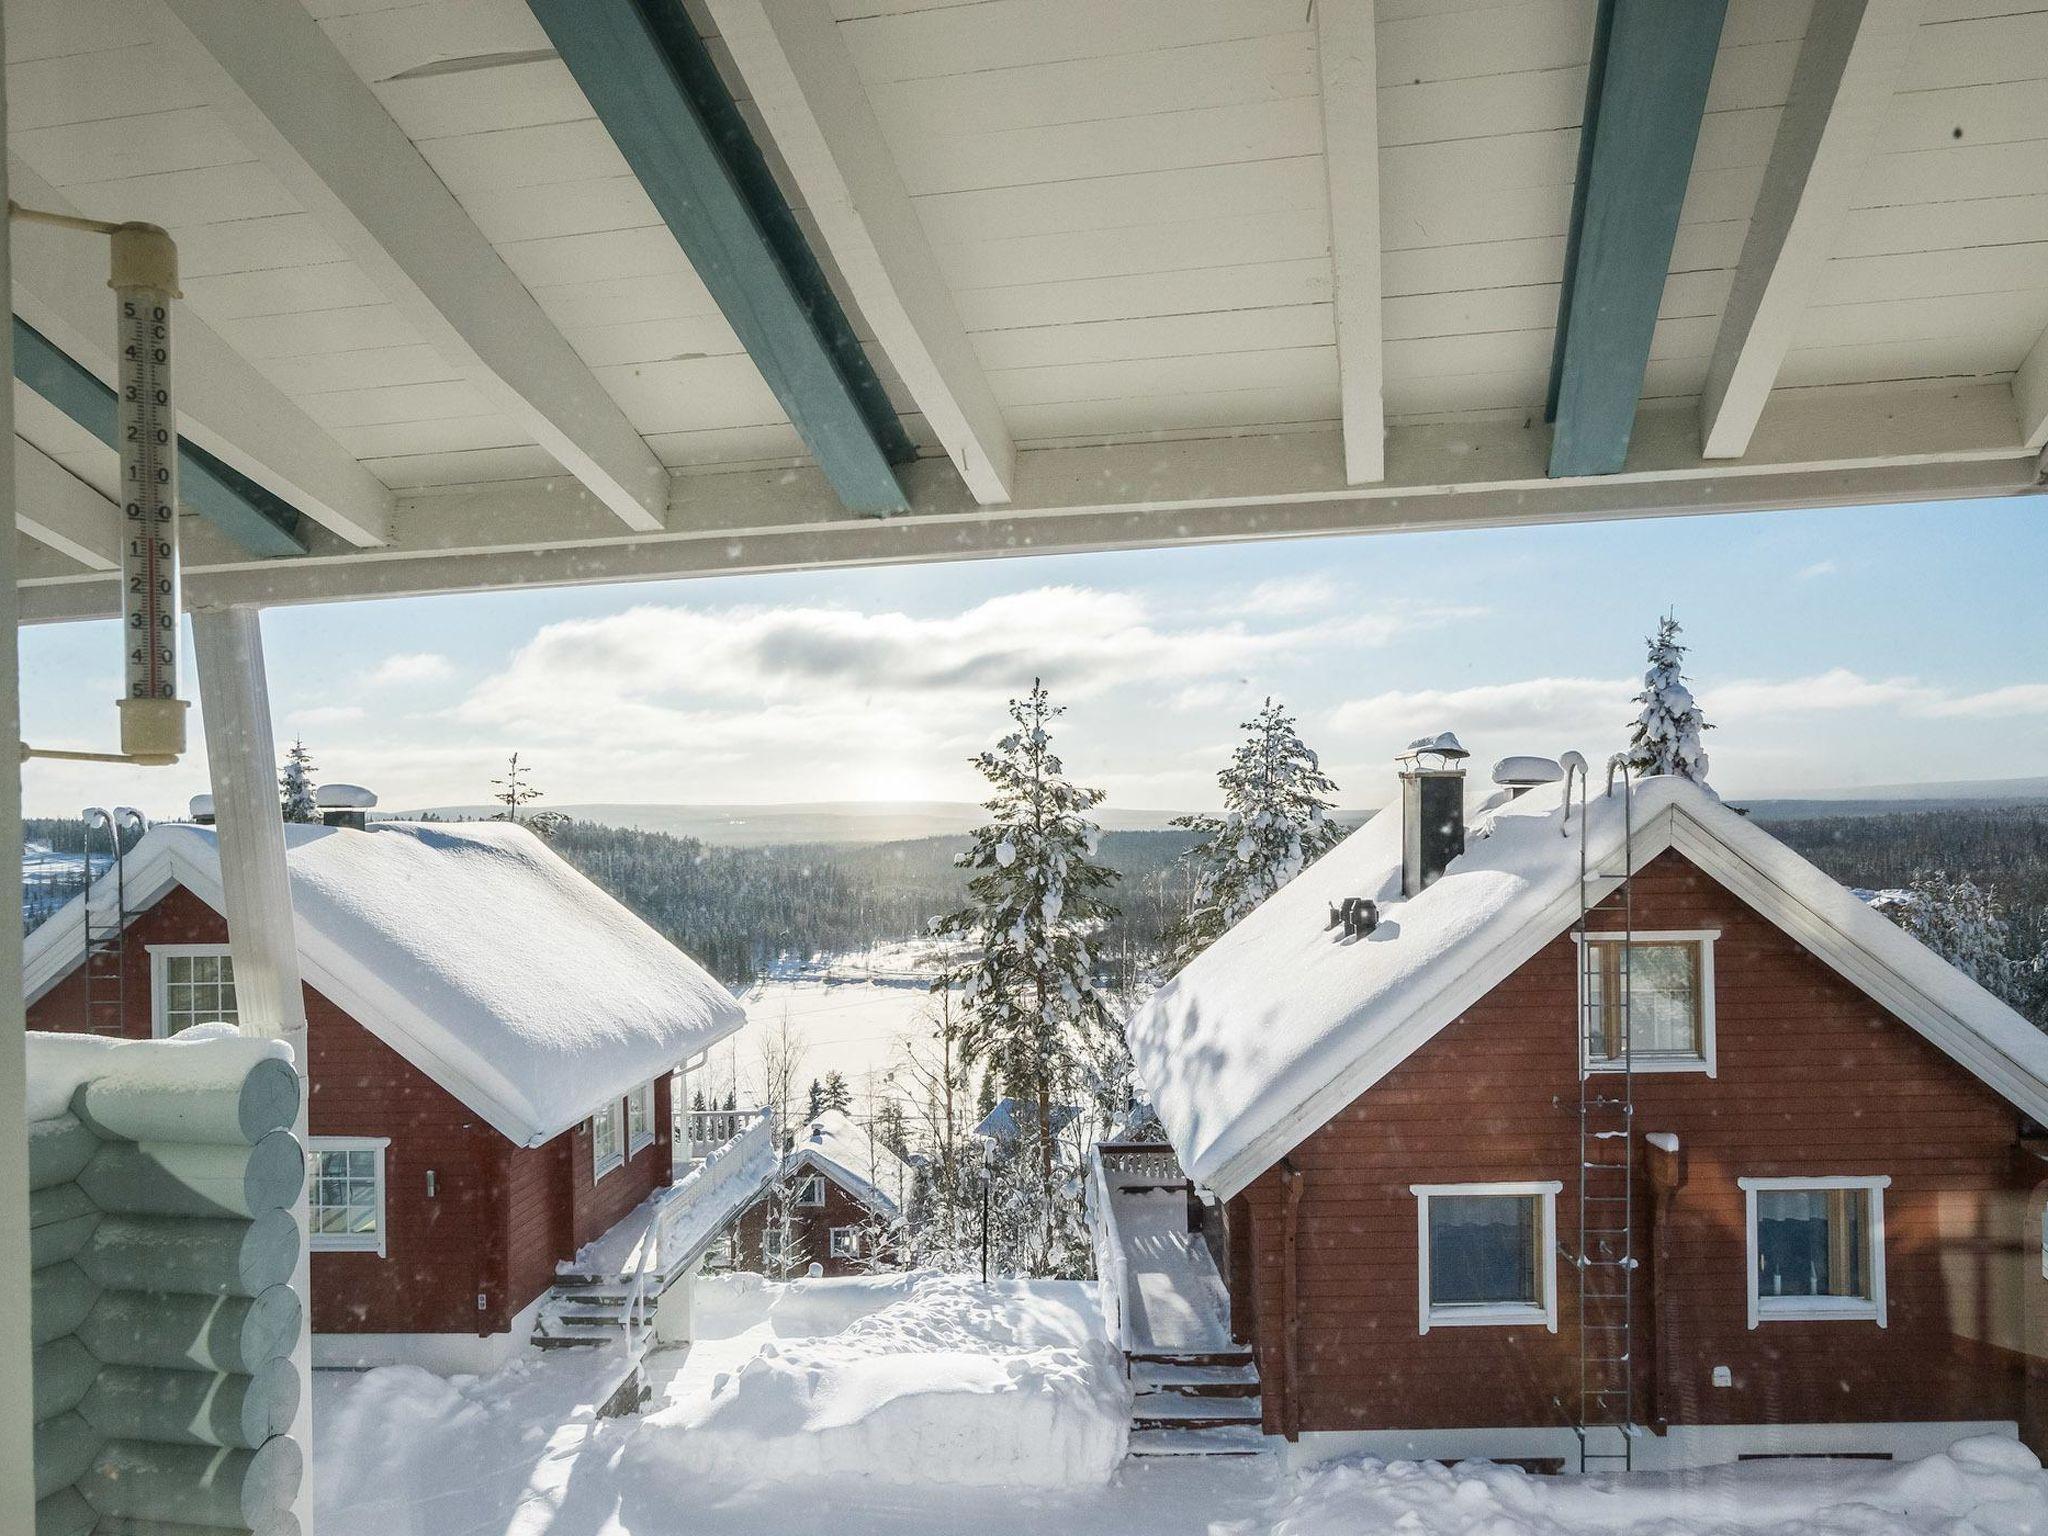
1227,1440
1195,1403
1237,1380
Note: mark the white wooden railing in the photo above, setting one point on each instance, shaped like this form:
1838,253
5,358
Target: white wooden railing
692,1210
1113,1165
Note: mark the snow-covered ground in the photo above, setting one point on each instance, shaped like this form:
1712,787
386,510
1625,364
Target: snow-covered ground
922,1405
849,1014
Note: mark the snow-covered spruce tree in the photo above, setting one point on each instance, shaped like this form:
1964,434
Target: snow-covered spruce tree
1028,990
835,1094
1967,926
295,784
1274,825
1665,737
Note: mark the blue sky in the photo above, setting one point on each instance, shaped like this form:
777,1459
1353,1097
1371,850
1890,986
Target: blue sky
1831,648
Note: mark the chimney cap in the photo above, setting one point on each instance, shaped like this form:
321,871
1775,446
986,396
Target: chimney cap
1522,772
200,808
344,797
1445,747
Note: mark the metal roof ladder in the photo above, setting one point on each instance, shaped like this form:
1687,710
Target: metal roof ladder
1603,1418
106,926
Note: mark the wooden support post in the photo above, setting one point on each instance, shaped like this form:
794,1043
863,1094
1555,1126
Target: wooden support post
1292,1181
234,703
17,1468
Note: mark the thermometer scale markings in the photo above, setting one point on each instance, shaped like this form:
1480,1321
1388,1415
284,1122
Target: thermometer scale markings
149,478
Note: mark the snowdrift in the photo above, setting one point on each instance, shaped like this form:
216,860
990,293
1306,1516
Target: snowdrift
920,1379
1981,1487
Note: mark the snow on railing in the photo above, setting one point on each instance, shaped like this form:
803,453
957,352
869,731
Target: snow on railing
1112,1273
709,1129
693,1209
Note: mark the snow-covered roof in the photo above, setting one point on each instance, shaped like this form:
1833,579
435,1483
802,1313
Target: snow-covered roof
469,948
862,1166
1283,1021
1007,1120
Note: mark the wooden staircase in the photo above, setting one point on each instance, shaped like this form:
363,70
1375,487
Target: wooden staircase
1195,1403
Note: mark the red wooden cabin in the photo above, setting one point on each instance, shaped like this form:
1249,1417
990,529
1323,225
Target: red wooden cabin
839,1205
1784,1200
494,1042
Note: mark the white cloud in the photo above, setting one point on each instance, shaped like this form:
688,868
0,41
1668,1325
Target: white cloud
1827,692
409,667
2019,699
1817,569
324,714
1289,595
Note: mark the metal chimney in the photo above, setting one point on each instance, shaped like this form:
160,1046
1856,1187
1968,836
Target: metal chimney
1519,775
345,805
1432,809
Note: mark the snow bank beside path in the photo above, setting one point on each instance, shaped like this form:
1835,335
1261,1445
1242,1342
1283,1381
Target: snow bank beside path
910,1379
1981,1487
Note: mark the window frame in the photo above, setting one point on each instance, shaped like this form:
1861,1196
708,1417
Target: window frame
614,1113
160,956
1518,1314
803,1201
349,1242
643,1099
1706,1062
842,1242
1818,1309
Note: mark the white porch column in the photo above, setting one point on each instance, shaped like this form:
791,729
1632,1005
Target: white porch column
234,702
17,1458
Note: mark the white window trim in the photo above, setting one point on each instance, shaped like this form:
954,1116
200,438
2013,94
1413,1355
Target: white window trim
803,1192
1811,1309
842,1243
159,978
1497,1314
1707,1061
599,1168
353,1242
645,1094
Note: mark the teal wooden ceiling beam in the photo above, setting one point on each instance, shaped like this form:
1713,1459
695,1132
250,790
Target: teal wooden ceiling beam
1645,95
658,93
260,522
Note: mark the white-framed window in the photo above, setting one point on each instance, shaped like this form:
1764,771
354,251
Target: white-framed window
607,1139
345,1193
845,1243
1816,1248
1660,988
639,1117
190,984
771,1243
811,1191
1487,1254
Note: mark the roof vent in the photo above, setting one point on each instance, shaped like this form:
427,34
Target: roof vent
1357,916
1432,809
345,805
1519,775
200,809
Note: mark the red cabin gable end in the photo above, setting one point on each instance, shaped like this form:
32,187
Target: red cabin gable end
473,1225
1811,1079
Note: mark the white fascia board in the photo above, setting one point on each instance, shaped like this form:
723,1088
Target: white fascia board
2030,394
224,404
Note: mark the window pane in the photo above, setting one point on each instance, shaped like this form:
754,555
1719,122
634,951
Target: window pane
1482,1248
1662,1001
1813,1242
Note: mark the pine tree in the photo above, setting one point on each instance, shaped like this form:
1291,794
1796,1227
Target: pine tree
1666,735
1274,825
835,1094
1028,993
515,791
814,1104
295,784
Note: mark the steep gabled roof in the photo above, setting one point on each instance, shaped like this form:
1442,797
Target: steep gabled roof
864,1168
1282,1022
471,949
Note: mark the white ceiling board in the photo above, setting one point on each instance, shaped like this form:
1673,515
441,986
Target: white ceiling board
1263,286
323,331
512,95
467,467
1174,335
1116,202
191,138
282,291
1217,244
84,87
255,245
381,42
448,434
525,157
401,402
508,214
365,368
